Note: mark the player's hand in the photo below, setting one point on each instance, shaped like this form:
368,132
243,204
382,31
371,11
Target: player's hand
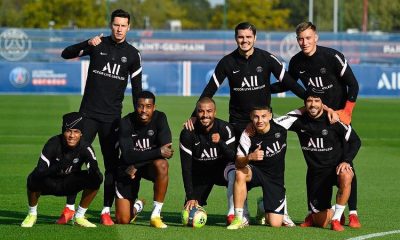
257,155
190,204
131,171
250,129
332,115
344,117
215,137
96,40
167,151
344,167
189,124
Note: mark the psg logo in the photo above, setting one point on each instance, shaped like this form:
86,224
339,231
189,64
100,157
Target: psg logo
324,132
150,133
75,160
123,59
277,135
323,70
259,69
19,77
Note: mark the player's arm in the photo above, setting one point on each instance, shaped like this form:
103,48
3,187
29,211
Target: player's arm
243,155
91,163
186,153
282,76
136,77
353,141
289,118
45,167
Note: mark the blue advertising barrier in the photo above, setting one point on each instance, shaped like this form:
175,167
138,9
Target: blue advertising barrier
164,78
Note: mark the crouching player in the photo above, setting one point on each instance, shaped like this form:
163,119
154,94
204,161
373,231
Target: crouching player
207,155
329,150
59,172
145,141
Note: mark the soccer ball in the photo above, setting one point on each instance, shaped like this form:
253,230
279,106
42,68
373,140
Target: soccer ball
197,217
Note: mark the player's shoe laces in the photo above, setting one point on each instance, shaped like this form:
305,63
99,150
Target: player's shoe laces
336,226
83,222
140,205
354,222
229,219
308,221
260,216
29,221
157,222
237,224
106,220
66,216
287,221
343,220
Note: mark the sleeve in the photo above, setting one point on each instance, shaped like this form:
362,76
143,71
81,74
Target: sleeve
288,119
227,143
76,50
136,77
282,76
215,82
90,159
128,153
347,75
164,132
185,150
244,145
353,141
45,167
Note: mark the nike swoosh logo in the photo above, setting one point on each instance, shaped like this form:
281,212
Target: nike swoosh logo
197,143
301,72
134,135
302,130
236,71
259,143
102,53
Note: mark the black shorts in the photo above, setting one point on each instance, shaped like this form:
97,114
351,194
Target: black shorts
319,188
273,190
204,181
64,185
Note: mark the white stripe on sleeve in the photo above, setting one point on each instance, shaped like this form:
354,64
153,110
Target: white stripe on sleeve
188,151
44,158
216,80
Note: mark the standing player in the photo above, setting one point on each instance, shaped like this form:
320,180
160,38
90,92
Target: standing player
328,161
145,141
112,62
207,155
327,70
260,161
59,173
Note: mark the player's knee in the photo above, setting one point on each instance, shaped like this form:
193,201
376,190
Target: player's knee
240,175
122,218
345,179
161,166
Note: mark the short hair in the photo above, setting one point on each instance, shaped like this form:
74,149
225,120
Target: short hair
245,25
304,26
146,95
268,108
120,13
206,100
315,93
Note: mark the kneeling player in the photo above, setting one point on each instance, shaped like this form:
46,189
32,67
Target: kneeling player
207,155
260,161
59,173
145,141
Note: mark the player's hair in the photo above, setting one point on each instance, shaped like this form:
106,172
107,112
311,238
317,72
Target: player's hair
255,108
245,25
313,92
206,100
120,13
304,26
146,95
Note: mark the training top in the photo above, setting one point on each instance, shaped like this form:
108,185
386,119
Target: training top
200,156
111,65
249,82
140,143
273,144
321,142
329,71
57,159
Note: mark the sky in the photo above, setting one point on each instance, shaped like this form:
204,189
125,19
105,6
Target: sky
214,2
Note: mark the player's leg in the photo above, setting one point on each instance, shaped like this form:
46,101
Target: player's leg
273,198
229,176
108,138
33,199
127,190
242,176
90,129
354,221
308,221
344,188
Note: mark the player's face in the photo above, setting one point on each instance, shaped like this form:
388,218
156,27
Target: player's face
206,114
119,28
314,107
307,41
72,137
245,40
145,108
260,119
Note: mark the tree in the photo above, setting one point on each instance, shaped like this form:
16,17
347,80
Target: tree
264,14
198,13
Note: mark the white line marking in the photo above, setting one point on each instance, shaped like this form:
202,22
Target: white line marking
374,235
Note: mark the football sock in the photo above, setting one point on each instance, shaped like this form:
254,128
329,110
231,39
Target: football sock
156,209
285,211
105,210
239,213
353,212
339,209
33,210
71,207
80,212
229,192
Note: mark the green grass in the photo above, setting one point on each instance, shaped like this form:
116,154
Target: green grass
28,121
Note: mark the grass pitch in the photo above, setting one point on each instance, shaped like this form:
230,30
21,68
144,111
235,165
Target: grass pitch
28,121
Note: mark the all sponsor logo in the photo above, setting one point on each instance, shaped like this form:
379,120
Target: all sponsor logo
389,81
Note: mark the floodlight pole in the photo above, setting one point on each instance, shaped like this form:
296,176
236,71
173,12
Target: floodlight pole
335,15
310,10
